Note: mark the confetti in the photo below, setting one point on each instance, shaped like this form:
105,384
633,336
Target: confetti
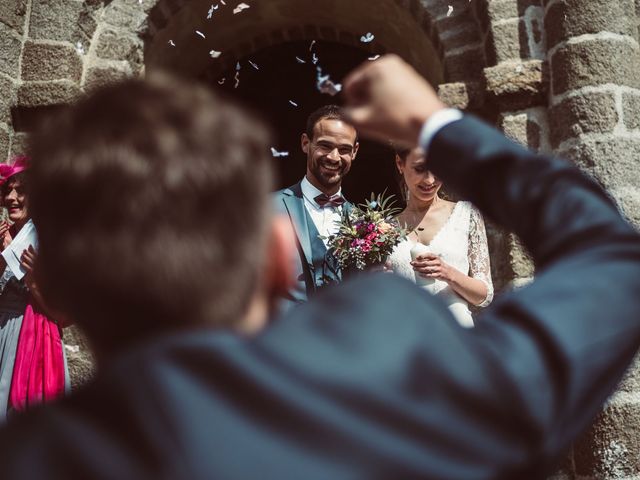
277,154
240,7
237,79
80,48
214,54
375,57
313,42
450,11
72,348
254,65
238,67
368,38
210,13
200,33
326,85
221,81
293,103
223,2
300,60
314,59
171,43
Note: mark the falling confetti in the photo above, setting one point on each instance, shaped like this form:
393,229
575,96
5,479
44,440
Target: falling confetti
300,60
326,85
240,7
200,33
210,13
313,42
222,2
368,38
238,67
80,48
72,348
254,65
277,154
293,103
449,11
221,81
375,57
314,59
237,76
171,43
214,54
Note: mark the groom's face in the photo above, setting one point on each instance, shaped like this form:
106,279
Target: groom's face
329,153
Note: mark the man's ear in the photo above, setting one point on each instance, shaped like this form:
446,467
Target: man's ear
280,262
304,142
356,147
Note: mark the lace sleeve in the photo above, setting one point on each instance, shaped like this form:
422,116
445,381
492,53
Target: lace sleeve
479,263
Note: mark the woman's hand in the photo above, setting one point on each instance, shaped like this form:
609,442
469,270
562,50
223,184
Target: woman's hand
5,235
429,265
28,262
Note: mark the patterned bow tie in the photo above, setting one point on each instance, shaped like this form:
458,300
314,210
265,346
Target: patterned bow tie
324,200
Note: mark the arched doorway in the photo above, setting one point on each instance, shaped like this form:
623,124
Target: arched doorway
277,46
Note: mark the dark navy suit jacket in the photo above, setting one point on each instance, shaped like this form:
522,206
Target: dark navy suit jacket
375,379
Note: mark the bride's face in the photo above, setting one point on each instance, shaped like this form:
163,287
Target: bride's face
422,184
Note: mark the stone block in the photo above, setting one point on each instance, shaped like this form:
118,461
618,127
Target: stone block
627,198
529,128
7,98
5,143
87,24
583,113
10,48
506,9
631,110
43,61
520,259
101,77
19,144
55,20
609,449
464,66
570,18
507,41
79,358
116,46
516,85
13,13
612,160
595,62
130,17
57,92
465,96
467,34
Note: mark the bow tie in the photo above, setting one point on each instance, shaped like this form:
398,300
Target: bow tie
324,200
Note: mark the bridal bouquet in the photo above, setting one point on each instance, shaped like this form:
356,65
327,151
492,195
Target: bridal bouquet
367,234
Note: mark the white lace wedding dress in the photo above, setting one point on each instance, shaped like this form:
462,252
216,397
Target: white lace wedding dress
462,243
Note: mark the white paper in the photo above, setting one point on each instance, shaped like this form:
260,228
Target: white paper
27,236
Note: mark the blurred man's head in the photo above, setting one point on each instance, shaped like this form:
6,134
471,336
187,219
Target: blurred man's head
331,144
151,203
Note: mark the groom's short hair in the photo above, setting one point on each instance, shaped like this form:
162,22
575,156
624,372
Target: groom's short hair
150,199
326,112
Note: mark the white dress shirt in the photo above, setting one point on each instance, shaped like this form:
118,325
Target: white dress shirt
324,218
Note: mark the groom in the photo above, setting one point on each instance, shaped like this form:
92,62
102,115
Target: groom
315,204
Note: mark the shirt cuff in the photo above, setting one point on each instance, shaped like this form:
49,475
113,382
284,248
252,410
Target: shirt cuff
435,123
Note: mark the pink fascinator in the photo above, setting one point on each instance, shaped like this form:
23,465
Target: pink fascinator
16,165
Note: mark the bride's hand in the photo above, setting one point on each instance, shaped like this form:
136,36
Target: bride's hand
429,265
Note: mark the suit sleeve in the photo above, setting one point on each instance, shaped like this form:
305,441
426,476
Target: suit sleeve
565,340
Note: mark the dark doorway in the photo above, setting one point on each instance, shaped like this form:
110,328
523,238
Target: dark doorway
281,79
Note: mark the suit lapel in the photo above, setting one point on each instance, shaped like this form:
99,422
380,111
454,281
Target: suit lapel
296,210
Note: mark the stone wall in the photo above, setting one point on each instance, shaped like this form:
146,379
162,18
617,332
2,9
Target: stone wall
558,76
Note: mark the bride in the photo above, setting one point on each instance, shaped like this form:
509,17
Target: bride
446,252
